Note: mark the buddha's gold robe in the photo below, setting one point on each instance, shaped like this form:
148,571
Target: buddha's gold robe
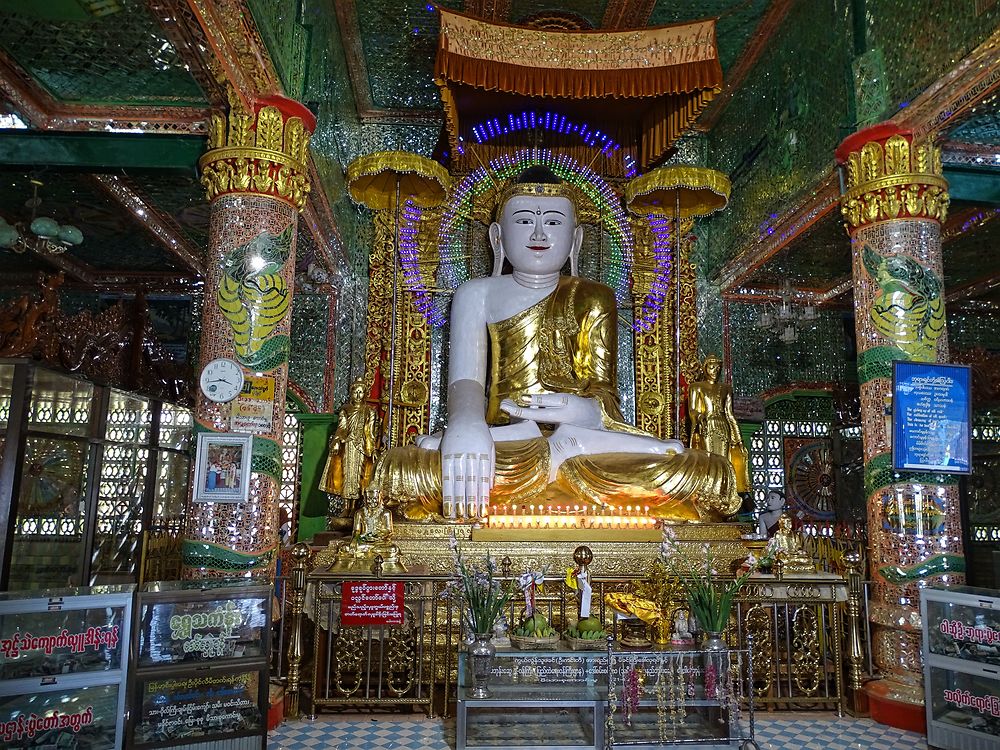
567,343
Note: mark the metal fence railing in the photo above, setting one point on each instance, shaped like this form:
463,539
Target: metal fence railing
809,649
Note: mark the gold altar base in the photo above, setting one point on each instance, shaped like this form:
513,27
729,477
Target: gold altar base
618,552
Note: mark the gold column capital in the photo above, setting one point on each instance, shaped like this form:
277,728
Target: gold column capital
259,151
890,175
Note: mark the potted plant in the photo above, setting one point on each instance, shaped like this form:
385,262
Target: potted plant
709,597
483,597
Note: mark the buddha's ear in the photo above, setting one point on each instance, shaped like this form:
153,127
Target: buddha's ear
497,244
574,253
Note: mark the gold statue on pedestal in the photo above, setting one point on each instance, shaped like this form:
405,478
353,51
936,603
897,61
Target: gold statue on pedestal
371,537
786,546
713,425
532,391
349,463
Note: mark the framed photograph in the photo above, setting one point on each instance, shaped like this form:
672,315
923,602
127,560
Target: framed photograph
222,467
931,417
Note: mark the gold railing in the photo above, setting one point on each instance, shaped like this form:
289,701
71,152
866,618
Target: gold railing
799,626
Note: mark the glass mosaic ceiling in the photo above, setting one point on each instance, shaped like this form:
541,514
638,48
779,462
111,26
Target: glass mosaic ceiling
120,57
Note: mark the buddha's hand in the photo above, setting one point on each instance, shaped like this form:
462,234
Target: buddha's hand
557,408
467,462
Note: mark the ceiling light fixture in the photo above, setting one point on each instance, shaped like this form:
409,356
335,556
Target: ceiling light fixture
784,317
47,236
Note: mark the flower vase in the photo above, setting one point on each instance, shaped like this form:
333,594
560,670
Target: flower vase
482,651
714,641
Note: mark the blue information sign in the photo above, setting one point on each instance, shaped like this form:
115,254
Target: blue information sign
931,417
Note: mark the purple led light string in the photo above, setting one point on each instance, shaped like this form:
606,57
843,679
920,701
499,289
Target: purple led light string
653,302
409,261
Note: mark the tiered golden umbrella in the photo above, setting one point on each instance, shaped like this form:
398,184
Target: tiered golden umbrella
683,192
378,181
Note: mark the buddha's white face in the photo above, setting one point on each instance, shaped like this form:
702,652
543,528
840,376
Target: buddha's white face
538,232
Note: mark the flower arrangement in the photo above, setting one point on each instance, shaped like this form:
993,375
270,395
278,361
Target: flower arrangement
484,596
710,599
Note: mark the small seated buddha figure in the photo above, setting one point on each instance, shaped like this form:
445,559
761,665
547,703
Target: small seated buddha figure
786,545
372,535
532,398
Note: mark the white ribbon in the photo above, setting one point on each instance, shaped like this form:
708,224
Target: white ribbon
528,581
583,581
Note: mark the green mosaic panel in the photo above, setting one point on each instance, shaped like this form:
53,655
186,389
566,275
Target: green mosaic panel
817,259
286,37
738,19
336,141
801,407
307,363
709,306
967,330
417,139
923,40
181,196
972,254
118,58
399,40
779,132
871,90
983,127
761,362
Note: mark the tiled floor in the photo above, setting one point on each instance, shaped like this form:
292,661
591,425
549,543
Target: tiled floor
802,731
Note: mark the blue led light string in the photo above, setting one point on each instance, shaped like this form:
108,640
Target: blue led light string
496,127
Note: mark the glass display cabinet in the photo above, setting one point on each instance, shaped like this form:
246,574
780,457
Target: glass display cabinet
961,650
617,697
64,656
556,694
201,668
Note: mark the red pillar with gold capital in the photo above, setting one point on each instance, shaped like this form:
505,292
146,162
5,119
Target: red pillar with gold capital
256,176
895,199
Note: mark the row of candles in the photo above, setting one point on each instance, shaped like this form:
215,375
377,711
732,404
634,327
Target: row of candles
530,516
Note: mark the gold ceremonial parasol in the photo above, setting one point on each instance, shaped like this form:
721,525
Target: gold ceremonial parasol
683,192
378,181
375,180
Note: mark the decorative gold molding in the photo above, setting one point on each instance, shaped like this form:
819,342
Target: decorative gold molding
894,178
262,154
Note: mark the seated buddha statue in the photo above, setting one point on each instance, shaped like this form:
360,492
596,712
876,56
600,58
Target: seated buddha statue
533,410
371,536
787,546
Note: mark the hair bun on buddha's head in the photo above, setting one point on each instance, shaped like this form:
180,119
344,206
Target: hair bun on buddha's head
537,173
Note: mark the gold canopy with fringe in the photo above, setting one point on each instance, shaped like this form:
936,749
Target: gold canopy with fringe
660,78
701,191
372,180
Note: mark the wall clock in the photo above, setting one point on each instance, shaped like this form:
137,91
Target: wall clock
222,380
